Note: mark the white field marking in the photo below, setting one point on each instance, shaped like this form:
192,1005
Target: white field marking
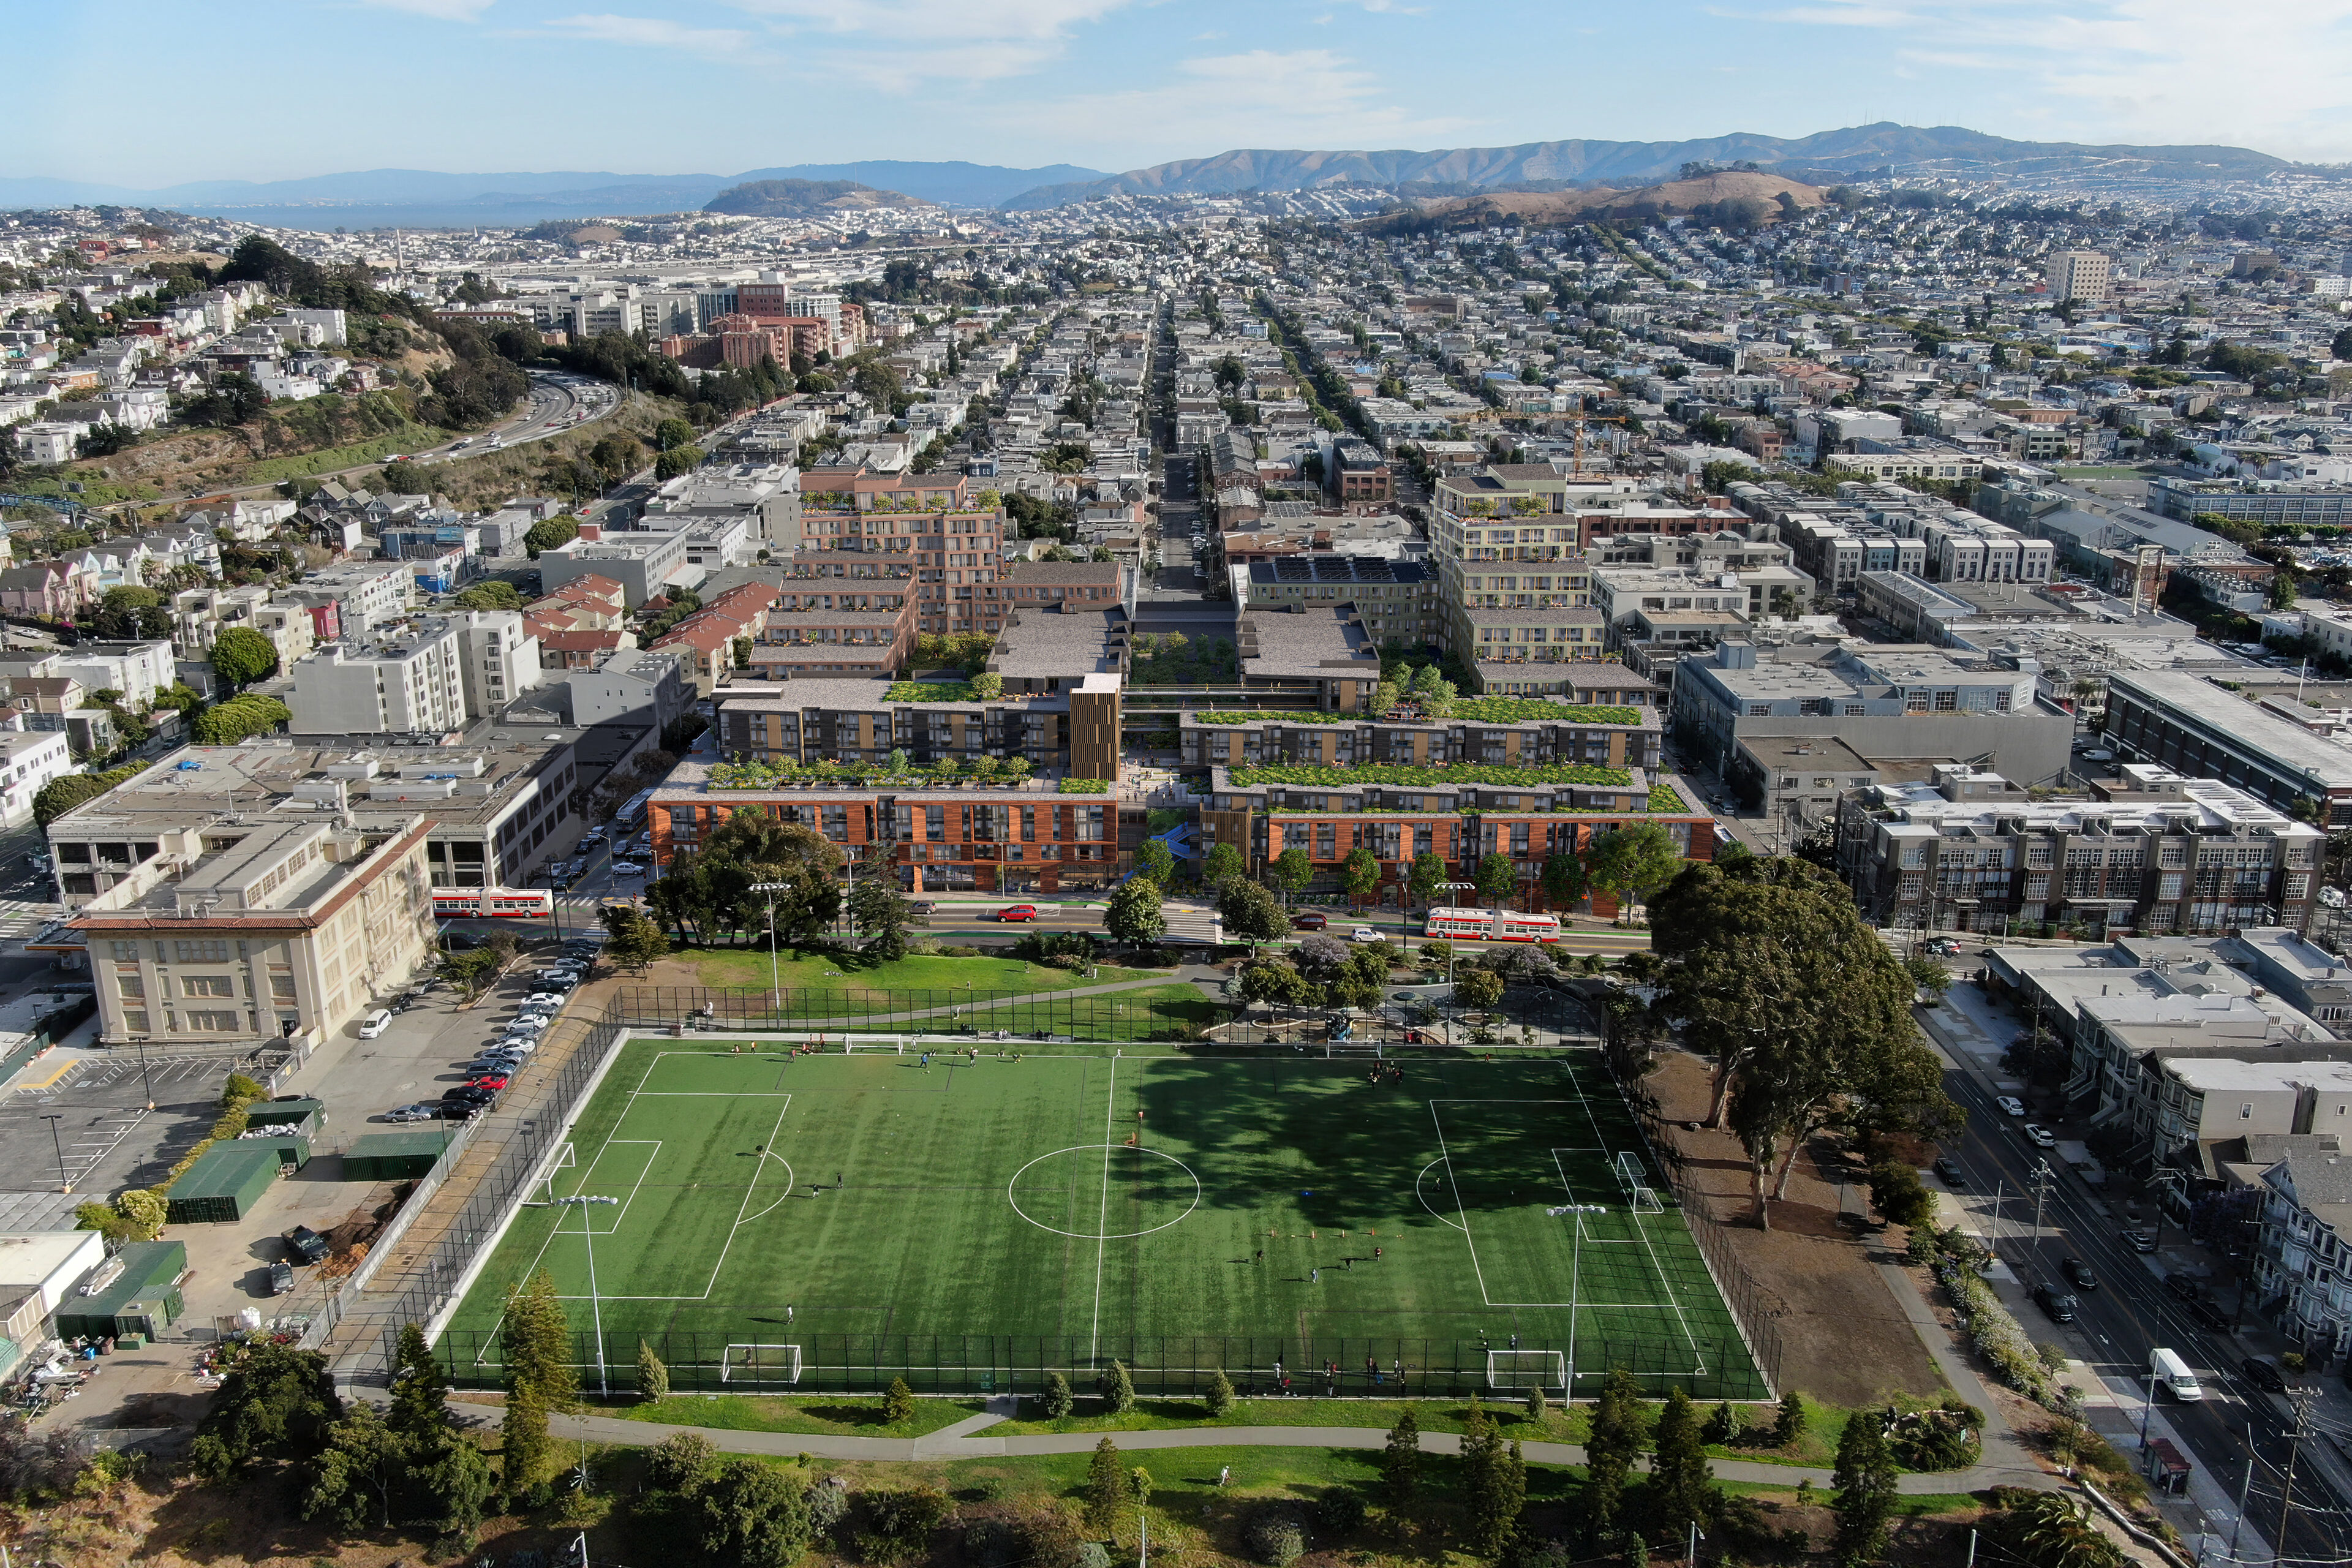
1459,1207
1102,1216
1425,1198
620,1213
1658,1269
751,1188
790,1182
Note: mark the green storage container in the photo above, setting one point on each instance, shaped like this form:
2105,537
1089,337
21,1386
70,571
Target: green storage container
141,1298
219,1188
293,1148
394,1156
297,1113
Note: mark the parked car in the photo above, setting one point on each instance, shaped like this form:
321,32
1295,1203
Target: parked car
1017,913
923,906
627,869
2182,1286
2078,1273
422,1111
468,1094
2011,1106
554,1000
281,1278
2141,1240
2263,1373
1310,921
2040,1137
491,1081
2210,1317
2058,1305
1948,1170
375,1024
305,1244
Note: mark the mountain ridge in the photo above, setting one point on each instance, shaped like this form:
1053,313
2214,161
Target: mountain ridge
1949,148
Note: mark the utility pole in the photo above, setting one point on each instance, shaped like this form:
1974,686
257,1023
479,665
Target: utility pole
2302,1399
2044,1176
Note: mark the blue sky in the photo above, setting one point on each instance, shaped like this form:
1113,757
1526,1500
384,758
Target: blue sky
145,92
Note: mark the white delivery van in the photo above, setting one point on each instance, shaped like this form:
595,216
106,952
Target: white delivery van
2172,1375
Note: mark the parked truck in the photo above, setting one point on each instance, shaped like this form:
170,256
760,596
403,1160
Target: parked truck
2170,1372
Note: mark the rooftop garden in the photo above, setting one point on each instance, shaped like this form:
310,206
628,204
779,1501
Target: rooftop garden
900,770
1665,797
1535,710
1434,773
1085,786
929,692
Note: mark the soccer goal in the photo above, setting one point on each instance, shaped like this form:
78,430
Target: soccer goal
1639,1195
759,1366
1526,1369
894,1044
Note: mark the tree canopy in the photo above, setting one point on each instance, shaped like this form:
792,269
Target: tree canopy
242,656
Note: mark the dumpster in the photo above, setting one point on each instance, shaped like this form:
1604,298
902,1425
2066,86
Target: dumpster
220,1187
304,1112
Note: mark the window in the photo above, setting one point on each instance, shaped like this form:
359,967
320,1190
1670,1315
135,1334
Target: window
136,1022
2246,1111
282,987
201,952
130,984
125,951
208,986
216,1023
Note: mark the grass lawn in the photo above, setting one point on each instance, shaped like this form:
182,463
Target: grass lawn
836,1418
879,987
970,1225
1146,1013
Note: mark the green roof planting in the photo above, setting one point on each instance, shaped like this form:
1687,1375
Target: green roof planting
1441,774
1532,710
929,692
1085,786
755,775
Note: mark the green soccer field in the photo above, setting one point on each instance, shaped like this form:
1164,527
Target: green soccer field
969,1225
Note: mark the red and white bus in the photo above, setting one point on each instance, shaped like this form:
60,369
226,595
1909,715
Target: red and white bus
506,903
1491,925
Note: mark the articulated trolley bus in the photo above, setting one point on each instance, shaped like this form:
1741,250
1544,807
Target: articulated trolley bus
518,903
1492,925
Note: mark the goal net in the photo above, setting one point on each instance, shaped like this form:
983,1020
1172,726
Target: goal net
1526,1369
759,1366
1629,1174
1646,1201
895,1044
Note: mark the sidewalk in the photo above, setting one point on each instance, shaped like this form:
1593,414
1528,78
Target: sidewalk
959,1442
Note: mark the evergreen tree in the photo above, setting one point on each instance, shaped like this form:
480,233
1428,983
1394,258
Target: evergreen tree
1615,1436
1681,1488
1864,1483
1056,1400
652,1378
1106,1486
898,1403
420,1393
1493,1485
1722,1426
1118,1390
1400,1463
540,1381
1789,1424
1538,1407
1221,1395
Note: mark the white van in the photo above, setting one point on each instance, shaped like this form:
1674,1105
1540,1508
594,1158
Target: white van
374,1024
2172,1375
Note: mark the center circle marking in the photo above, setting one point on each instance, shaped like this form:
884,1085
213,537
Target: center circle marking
1099,1235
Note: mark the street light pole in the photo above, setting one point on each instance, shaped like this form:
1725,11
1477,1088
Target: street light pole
1452,887
596,1305
63,1185
775,985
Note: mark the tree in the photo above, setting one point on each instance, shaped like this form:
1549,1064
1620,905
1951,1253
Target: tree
420,1393
242,656
1219,1399
1117,1388
1360,873
1133,915
364,1467
637,942
1155,860
1104,1489
549,532
1249,912
1220,865
494,595
987,685
1292,869
1401,1460
1425,878
1681,1488
616,457
1056,1400
276,1403
1494,1484
537,1340
673,432
878,909
1632,861
2284,589
238,718
753,1516
652,1377
1898,1195
1865,1489
1265,978
897,1402
1478,989
1926,974
1788,1420
1563,880
676,462
1615,1437
2051,1530
1497,878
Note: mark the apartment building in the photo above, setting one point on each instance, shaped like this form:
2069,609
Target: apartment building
409,680
257,926
1969,851
2087,275
498,659
1397,602
2274,748
643,564
928,521
29,758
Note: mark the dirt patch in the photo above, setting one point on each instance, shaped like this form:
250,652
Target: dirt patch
1844,1339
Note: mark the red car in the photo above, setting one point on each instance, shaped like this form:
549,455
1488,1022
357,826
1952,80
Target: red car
1017,913
1310,921
494,1083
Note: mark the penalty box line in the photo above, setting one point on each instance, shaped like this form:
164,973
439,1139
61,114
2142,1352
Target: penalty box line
1469,1238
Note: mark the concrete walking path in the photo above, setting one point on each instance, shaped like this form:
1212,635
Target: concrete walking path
960,1442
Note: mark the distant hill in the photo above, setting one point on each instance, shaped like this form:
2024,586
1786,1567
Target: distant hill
950,184
1947,150
1665,200
805,198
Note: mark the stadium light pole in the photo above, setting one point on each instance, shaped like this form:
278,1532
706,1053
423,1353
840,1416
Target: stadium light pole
775,985
595,1305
